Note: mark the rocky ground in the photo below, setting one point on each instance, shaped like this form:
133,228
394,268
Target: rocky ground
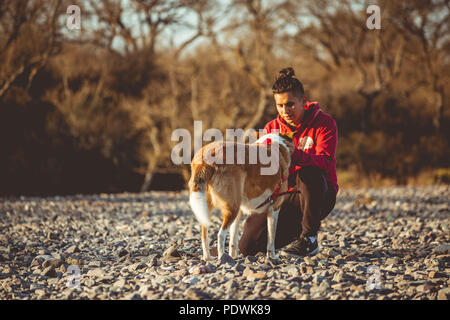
390,243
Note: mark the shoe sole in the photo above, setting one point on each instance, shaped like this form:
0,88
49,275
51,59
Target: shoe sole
316,251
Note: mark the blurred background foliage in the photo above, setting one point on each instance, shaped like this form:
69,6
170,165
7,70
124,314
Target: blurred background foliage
92,110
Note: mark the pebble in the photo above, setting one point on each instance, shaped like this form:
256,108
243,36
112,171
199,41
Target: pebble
119,283
95,273
252,275
197,294
436,274
293,271
73,249
191,280
171,253
250,259
74,261
231,284
227,259
444,294
339,276
39,259
239,267
200,269
317,279
95,264
137,266
443,248
39,293
52,236
279,295
122,253
49,272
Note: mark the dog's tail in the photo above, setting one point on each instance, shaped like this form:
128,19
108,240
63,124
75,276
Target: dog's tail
201,175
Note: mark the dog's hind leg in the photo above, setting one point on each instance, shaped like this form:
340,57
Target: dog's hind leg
272,219
234,230
205,244
228,216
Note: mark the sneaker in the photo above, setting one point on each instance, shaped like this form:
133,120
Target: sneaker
301,248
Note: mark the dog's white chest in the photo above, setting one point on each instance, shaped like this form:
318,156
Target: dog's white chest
248,206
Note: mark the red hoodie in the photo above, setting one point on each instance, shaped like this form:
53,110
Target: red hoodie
315,139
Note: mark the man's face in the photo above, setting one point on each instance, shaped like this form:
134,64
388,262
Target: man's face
290,107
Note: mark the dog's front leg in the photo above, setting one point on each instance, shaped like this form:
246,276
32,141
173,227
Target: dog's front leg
234,230
272,219
221,238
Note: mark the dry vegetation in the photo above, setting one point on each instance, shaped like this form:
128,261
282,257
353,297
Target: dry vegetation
93,110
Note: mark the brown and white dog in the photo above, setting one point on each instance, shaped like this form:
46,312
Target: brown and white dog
237,188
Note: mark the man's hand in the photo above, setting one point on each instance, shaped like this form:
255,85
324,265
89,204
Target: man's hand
297,156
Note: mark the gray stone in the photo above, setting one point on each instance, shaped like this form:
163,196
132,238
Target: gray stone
339,276
171,253
123,253
343,243
197,294
119,284
317,279
40,293
323,263
317,291
239,267
250,259
133,296
293,271
73,249
172,229
227,259
52,236
137,266
152,260
443,248
49,272
52,262
231,284
307,277
39,259
95,264
279,295
95,273
191,280
444,294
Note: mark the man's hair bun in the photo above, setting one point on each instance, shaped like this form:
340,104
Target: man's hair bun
286,73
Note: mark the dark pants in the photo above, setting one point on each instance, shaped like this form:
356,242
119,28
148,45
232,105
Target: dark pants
300,214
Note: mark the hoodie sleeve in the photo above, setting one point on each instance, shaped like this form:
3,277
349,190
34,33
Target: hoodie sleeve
326,143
